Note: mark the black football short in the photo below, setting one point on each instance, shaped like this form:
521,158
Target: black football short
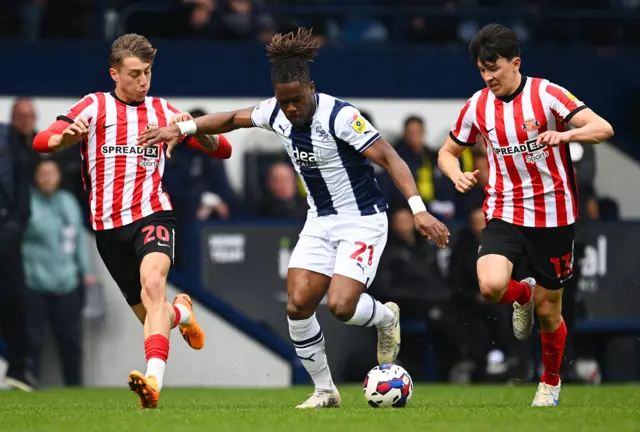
548,252
122,249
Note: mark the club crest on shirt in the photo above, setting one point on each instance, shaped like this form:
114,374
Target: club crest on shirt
324,136
530,125
358,123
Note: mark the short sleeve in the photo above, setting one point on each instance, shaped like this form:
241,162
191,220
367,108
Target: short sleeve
464,130
84,107
351,127
562,103
263,115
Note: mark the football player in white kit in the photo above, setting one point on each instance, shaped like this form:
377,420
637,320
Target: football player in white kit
344,236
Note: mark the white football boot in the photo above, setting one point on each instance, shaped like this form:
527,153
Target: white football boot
523,314
389,337
546,395
322,399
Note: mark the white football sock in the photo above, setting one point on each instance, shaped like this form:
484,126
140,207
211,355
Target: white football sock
308,341
185,315
156,367
370,312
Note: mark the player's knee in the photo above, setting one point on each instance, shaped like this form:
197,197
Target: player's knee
297,309
153,288
342,308
491,287
549,312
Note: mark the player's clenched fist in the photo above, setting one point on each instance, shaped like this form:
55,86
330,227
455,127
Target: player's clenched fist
466,181
431,228
74,132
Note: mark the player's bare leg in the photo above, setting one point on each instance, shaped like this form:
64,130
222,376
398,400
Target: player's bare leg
306,289
349,302
553,333
140,312
158,321
496,285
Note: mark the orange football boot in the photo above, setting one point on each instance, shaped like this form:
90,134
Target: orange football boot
192,332
146,388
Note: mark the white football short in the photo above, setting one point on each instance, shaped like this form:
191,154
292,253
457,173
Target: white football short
346,245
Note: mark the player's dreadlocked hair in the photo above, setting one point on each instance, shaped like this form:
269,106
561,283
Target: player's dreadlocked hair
289,54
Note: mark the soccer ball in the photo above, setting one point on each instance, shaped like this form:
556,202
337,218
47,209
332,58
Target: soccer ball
388,385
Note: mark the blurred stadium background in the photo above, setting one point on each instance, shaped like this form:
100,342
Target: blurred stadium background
404,64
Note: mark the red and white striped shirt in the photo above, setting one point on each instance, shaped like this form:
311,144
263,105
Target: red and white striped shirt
529,184
124,179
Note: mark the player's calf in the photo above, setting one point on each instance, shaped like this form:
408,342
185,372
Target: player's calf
306,289
553,335
349,304
159,318
153,277
370,312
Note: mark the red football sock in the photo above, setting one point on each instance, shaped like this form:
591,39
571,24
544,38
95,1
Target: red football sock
157,346
176,321
552,350
516,291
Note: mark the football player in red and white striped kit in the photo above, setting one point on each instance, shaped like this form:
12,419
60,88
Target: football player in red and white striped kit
130,212
531,197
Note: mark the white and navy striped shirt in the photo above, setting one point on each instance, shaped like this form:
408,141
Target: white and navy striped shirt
327,154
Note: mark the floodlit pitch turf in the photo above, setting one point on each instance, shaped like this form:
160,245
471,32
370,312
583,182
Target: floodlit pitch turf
433,408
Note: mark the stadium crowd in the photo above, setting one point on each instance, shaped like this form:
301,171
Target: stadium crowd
601,22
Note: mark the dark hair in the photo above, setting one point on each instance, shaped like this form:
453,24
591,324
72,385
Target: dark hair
492,42
131,45
290,54
413,118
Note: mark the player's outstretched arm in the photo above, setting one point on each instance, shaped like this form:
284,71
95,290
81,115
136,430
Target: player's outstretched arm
449,163
215,146
61,134
218,123
69,128
209,124
382,154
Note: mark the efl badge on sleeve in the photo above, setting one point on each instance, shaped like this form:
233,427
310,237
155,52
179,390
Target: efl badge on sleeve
358,123
571,96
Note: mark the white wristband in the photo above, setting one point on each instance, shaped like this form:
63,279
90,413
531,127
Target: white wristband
416,204
187,127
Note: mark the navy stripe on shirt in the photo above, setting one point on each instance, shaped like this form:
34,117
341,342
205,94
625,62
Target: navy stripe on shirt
304,153
369,198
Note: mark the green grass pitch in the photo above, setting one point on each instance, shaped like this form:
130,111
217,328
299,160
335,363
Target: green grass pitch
433,408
